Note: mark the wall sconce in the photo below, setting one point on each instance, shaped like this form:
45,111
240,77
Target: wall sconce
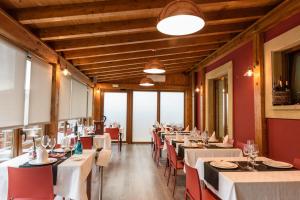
66,72
197,90
249,72
98,90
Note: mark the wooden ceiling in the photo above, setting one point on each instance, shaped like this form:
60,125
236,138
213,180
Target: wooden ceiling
112,40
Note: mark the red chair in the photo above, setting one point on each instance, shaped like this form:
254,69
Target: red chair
34,183
240,145
297,163
192,186
115,135
87,142
175,164
158,147
168,156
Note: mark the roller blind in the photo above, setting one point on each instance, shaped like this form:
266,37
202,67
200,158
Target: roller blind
12,78
90,102
64,98
78,100
40,91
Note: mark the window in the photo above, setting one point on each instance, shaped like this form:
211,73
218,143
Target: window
115,109
28,134
6,144
172,108
144,115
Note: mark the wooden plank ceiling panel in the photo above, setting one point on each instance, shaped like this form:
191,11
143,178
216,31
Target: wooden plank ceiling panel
112,40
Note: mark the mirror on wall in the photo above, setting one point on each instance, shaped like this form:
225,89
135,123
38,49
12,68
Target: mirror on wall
286,77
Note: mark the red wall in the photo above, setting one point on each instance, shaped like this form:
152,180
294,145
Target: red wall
243,105
283,135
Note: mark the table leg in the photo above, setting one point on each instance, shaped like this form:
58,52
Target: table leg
89,185
101,182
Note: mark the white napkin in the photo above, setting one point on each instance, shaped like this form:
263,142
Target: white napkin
178,136
213,137
187,128
226,139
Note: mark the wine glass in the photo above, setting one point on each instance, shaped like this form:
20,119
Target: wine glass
45,141
52,143
254,153
246,151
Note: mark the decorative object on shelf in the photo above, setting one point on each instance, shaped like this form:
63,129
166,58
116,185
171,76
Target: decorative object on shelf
146,82
154,66
180,17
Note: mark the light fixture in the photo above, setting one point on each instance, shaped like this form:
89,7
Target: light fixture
66,72
249,72
197,90
154,67
180,17
146,82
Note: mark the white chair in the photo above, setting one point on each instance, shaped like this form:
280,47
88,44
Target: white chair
103,160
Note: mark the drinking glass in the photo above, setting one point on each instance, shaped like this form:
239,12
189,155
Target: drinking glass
45,141
52,143
254,153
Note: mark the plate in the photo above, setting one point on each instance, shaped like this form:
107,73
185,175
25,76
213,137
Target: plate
277,164
35,162
224,145
224,165
76,158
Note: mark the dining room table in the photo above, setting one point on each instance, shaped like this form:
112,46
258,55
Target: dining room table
73,175
241,182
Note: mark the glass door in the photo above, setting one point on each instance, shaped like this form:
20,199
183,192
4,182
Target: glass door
115,109
144,115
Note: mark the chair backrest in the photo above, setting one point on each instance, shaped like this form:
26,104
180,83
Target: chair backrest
30,183
168,149
240,145
113,132
173,155
297,163
87,142
158,140
192,183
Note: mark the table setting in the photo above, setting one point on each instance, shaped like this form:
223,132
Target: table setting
71,170
233,178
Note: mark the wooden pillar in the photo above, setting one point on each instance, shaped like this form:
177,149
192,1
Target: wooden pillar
96,106
129,117
52,128
202,99
188,105
158,107
17,142
259,95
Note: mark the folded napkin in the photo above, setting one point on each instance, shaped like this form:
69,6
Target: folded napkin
226,139
187,128
213,137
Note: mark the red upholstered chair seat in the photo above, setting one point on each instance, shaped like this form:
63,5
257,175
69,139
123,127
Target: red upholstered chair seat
87,142
193,188
40,185
113,132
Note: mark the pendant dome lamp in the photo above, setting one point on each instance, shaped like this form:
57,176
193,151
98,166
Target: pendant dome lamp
146,82
154,66
180,17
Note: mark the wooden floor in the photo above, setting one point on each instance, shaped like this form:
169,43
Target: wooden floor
133,175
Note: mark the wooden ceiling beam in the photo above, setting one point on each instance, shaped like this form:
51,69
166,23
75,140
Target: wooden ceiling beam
141,38
281,12
135,67
134,57
179,68
138,50
142,25
17,34
142,61
116,10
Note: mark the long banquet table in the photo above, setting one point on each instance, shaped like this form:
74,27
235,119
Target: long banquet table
72,175
260,185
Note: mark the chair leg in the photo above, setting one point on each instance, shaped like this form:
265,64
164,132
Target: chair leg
167,165
174,182
101,180
157,158
170,171
185,195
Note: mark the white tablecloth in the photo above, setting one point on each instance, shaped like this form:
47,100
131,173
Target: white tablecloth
191,155
71,175
102,141
276,185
